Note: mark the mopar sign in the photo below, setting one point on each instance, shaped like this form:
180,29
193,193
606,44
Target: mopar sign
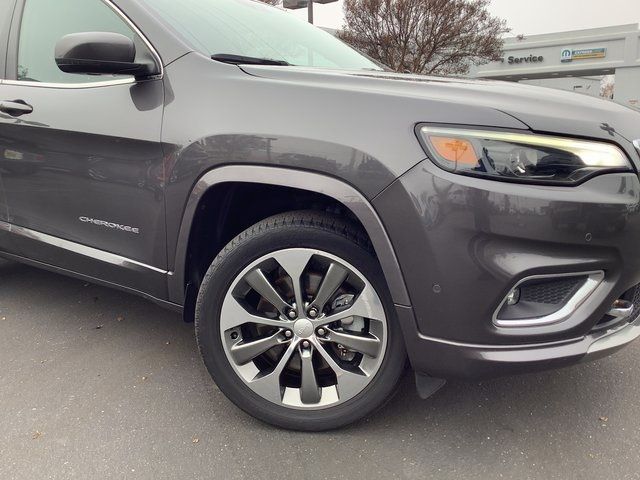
566,55
569,55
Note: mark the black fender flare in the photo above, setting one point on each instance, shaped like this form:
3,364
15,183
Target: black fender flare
303,180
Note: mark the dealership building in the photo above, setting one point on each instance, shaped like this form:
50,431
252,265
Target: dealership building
575,61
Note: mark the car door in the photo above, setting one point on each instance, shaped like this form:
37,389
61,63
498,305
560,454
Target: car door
85,178
6,13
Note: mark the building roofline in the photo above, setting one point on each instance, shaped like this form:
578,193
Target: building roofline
573,34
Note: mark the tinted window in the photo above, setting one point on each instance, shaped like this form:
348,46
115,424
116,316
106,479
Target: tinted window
6,8
44,22
253,29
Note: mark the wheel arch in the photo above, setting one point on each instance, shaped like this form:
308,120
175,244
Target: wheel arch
341,192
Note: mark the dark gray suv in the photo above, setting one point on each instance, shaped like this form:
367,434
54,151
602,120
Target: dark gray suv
321,219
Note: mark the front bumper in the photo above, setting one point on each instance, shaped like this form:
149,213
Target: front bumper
443,359
464,243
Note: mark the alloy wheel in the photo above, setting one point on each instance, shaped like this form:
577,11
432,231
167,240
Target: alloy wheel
303,328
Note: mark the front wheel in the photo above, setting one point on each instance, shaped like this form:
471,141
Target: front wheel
296,326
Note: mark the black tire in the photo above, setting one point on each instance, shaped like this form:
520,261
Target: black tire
301,229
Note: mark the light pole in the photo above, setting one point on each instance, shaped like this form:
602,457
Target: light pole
297,4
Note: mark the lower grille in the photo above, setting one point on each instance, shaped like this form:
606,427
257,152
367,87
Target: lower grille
552,292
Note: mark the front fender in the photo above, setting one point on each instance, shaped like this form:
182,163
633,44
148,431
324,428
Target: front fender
314,182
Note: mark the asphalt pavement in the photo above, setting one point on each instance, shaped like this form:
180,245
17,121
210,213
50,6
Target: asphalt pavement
99,384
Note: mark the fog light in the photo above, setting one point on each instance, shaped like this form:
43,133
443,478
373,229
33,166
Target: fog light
513,297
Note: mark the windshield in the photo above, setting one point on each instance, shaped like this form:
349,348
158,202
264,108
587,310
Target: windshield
252,29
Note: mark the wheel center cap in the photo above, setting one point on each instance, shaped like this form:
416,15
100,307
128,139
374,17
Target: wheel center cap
303,328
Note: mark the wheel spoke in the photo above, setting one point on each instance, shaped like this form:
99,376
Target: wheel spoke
309,390
349,382
294,262
366,305
234,315
336,274
368,345
269,385
259,282
245,352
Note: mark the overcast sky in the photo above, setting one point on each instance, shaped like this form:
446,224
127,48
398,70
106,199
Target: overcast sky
529,17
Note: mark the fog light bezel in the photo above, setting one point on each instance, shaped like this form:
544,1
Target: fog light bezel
593,281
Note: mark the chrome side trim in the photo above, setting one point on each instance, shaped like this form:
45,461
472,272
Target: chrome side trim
135,28
594,279
120,81
636,143
101,255
62,271
106,83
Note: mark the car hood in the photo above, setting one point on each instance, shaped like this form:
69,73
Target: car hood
540,109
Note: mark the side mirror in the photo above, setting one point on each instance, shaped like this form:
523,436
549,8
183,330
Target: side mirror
101,53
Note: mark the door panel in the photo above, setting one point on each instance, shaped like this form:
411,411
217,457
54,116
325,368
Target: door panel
83,171
86,166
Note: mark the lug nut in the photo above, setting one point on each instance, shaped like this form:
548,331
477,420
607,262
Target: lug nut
292,314
313,312
234,335
322,332
306,344
288,333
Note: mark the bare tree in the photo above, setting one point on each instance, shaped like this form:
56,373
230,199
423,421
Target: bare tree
608,86
424,36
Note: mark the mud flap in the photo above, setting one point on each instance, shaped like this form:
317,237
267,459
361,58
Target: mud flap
427,386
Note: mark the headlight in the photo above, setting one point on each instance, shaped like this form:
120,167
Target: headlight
521,156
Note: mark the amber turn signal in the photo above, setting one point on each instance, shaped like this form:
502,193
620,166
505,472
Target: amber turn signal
455,150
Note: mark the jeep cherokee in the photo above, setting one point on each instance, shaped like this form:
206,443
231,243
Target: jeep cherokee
321,219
